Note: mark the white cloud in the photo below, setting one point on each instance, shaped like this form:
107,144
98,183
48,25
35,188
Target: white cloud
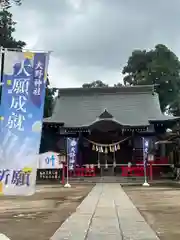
92,39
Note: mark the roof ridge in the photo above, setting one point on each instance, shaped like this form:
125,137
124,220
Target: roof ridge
108,90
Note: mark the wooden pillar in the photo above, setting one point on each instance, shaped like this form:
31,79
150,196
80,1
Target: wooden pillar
63,174
151,171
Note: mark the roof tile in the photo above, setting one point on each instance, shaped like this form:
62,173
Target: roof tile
131,106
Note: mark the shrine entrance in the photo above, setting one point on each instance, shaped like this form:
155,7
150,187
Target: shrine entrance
107,163
107,147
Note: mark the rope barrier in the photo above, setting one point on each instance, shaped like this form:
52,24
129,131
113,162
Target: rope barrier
138,164
107,145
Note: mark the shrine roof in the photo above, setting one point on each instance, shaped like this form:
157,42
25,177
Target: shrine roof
128,106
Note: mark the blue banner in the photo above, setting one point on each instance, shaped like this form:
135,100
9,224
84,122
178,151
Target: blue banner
145,151
72,147
22,102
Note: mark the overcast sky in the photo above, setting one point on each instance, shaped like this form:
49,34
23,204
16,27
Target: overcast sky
92,39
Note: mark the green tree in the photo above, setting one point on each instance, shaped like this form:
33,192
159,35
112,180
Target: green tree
49,100
99,84
94,84
7,3
118,84
7,28
161,67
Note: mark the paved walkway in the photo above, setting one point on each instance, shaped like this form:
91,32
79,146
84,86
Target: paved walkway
105,214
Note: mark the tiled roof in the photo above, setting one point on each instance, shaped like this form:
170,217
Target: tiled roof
130,106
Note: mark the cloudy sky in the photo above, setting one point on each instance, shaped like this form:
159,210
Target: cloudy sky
92,39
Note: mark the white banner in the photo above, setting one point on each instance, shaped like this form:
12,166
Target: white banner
50,160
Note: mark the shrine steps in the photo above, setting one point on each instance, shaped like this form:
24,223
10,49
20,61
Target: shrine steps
108,179
90,180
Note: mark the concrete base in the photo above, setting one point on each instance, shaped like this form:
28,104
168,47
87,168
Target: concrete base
3,237
67,185
146,184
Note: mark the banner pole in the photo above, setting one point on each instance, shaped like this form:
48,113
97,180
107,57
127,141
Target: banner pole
145,184
67,185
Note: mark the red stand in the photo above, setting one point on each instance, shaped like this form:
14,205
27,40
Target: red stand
93,173
128,171
82,172
78,172
89,172
74,172
151,171
86,172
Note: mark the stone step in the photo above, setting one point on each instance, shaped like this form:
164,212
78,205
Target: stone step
106,179
87,180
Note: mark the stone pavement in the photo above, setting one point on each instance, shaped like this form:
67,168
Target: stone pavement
106,213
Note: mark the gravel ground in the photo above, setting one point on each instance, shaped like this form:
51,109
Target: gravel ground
160,206
40,215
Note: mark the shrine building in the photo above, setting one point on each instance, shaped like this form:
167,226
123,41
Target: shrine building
110,125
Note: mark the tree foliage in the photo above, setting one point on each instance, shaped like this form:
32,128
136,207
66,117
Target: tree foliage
49,100
99,84
7,3
94,84
118,84
7,28
158,66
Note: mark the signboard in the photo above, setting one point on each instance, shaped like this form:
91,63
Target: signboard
72,152
50,174
50,160
22,103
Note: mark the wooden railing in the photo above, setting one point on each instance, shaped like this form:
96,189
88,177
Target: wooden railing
137,169
157,160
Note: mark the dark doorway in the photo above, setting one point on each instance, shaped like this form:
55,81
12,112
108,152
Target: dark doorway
106,161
